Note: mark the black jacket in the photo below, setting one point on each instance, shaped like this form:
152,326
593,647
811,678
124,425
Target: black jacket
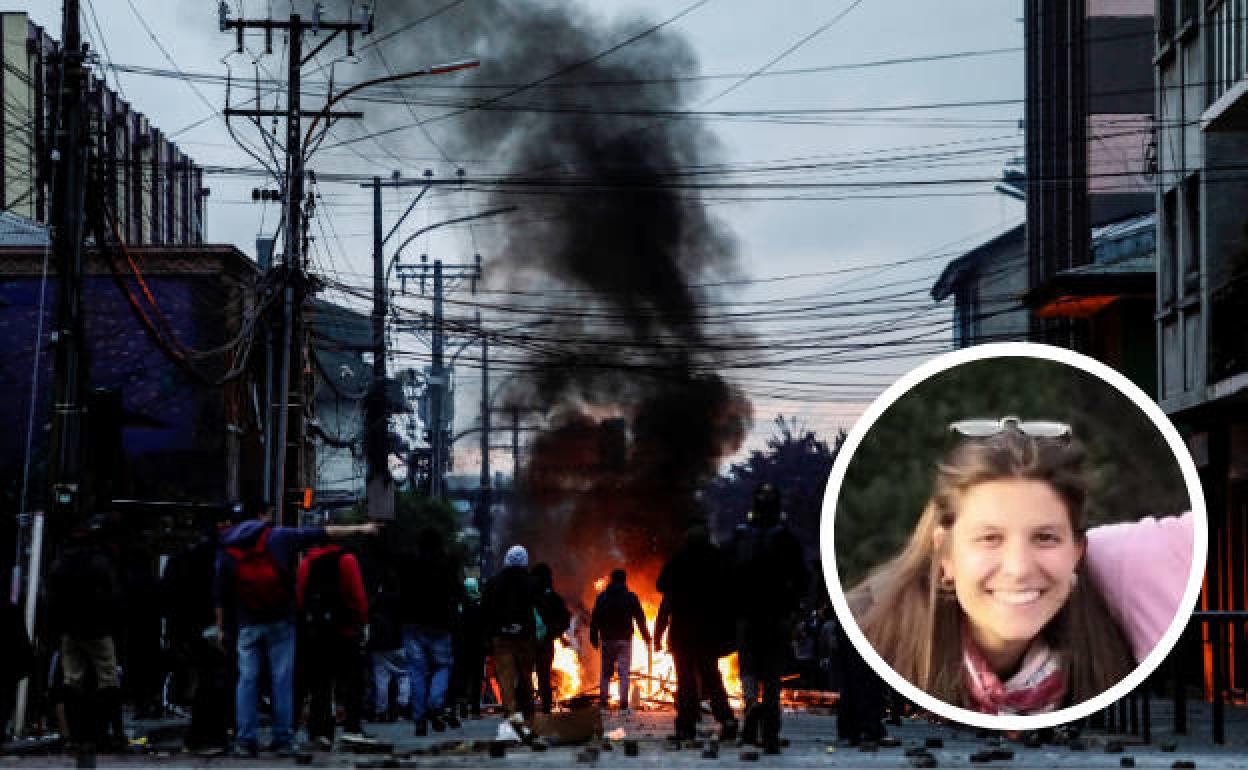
471,634
186,590
429,591
508,604
693,584
769,573
554,612
83,595
385,630
615,611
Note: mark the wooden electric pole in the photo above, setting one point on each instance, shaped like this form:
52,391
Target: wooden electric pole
287,404
69,159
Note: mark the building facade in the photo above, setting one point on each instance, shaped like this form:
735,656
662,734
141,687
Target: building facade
156,192
987,284
1201,310
1089,135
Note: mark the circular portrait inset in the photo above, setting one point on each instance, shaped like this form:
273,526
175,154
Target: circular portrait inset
1013,536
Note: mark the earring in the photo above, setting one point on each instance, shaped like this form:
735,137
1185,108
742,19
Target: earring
946,586
1074,580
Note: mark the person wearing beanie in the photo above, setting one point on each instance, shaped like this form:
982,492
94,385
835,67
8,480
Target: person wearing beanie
469,641
517,556
509,607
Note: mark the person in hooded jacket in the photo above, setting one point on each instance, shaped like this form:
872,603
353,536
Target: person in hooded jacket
429,589
388,661
470,645
509,606
769,579
555,616
187,588
84,605
333,615
255,594
615,611
700,632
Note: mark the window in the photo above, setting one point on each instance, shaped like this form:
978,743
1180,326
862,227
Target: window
968,315
1166,15
1192,233
1169,252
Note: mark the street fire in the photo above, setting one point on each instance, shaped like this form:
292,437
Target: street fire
652,673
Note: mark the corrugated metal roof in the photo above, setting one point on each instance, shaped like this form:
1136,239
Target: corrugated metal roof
19,231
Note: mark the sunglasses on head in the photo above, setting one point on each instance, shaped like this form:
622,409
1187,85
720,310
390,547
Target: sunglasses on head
986,427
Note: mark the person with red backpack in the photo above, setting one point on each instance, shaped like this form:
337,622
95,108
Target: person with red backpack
254,594
333,613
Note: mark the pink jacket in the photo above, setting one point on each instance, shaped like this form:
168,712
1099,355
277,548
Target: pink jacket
1141,568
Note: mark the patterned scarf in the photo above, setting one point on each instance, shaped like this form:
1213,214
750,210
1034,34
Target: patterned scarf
1037,688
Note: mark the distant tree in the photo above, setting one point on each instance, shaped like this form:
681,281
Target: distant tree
797,462
413,512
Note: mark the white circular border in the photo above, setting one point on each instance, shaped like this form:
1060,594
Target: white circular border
1200,535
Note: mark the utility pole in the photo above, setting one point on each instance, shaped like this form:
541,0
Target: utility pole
292,390
515,449
437,389
66,471
439,374
377,413
377,409
483,523
68,225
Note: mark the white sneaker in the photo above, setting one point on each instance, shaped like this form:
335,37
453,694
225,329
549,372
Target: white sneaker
360,737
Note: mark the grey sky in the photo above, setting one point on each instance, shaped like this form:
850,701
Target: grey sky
775,237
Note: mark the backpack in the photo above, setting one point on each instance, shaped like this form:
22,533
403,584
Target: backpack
512,609
259,581
554,613
324,608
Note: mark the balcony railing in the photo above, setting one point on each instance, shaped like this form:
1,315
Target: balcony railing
1228,26
1216,634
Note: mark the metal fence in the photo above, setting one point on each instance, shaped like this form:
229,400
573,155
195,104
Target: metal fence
1219,632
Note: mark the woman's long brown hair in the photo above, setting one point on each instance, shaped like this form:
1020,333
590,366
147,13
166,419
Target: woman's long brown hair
918,630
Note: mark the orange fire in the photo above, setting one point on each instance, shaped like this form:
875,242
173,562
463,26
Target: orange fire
653,674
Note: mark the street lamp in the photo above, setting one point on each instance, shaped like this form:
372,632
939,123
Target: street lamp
394,260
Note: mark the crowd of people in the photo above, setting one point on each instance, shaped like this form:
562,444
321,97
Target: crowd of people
255,617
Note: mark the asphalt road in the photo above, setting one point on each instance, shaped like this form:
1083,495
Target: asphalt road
811,742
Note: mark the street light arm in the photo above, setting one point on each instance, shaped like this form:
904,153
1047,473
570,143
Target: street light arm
439,69
479,215
410,206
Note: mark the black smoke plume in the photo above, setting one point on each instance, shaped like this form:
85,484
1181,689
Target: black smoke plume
622,253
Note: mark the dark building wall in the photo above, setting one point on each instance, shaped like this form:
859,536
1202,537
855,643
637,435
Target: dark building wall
1057,232
1056,150
172,433
1089,126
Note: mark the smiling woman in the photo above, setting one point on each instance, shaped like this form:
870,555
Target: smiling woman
1013,573
989,606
